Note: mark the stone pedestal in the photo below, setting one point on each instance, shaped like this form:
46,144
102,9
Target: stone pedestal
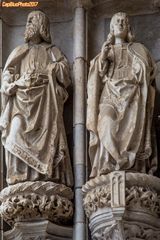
123,206
30,207
38,230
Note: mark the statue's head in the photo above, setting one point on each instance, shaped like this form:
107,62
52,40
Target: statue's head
120,27
37,25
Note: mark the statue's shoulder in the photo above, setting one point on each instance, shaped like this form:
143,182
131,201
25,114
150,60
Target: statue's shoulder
16,55
139,48
19,50
57,53
140,51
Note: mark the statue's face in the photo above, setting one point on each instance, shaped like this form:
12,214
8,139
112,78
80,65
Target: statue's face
120,27
32,19
32,26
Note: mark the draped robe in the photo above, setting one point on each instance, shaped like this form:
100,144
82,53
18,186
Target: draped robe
32,125
120,111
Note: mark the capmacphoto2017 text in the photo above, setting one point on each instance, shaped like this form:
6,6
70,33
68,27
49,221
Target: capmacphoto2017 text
18,4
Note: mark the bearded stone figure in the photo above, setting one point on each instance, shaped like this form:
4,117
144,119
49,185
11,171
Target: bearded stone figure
120,103
34,84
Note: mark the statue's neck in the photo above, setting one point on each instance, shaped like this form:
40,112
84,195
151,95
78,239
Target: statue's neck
119,40
35,40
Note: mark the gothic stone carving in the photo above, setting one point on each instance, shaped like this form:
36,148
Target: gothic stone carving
132,231
137,231
42,230
120,104
104,191
143,198
97,198
34,83
108,234
139,206
35,200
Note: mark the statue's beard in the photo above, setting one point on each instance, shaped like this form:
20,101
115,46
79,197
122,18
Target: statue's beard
30,33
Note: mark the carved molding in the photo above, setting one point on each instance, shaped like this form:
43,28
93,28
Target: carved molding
43,230
131,232
131,179
32,200
139,231
95,182
108,233
38,187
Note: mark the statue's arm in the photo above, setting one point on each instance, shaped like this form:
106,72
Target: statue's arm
153,69
152,66
8,86
103,67
11,70
103,60
61,67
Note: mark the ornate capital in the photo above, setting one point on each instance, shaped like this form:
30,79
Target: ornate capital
123,206
34,200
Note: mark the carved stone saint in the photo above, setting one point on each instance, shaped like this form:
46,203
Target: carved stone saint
120,103
34,84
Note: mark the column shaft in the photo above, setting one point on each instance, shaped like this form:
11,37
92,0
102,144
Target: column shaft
79,120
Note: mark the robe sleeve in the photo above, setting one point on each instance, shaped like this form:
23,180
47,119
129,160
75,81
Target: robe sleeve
102,67
61,67
153,163
11,72
96,73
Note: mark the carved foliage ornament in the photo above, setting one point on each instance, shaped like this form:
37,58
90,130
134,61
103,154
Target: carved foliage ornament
108,233
97,198
144,198
132,232
36,200
137,231
136,197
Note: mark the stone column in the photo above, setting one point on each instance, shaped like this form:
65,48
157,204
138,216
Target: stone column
79,119
123,206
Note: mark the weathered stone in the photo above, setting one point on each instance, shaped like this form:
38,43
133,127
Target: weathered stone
38,230
135,215
36,200
120,104
34,81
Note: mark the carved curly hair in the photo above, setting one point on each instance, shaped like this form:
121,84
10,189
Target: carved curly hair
43,25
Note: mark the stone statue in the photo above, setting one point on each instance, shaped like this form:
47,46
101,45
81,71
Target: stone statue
34,83
120,103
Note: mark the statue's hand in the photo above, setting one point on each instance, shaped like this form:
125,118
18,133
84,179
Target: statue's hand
12,88
104,51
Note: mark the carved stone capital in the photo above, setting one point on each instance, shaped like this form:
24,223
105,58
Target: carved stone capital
123,206
36,200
